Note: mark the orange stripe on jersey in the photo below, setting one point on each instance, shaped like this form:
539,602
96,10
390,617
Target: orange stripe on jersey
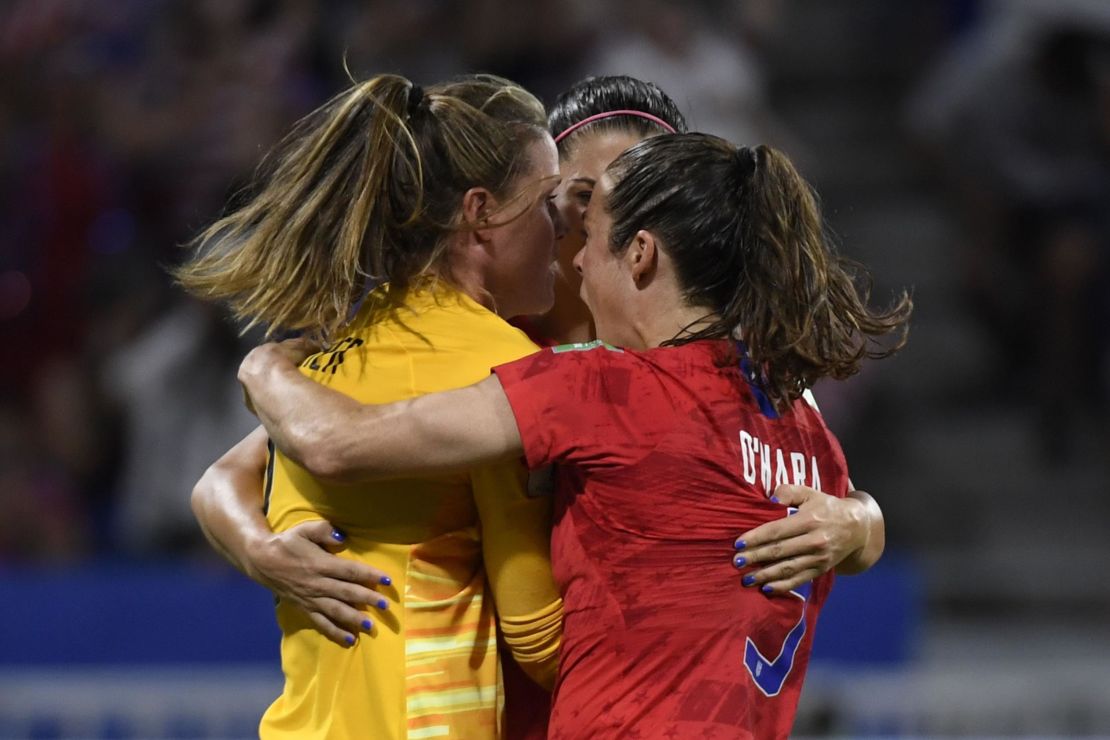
439,631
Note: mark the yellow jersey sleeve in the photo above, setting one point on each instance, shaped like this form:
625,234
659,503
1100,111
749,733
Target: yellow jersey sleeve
516,547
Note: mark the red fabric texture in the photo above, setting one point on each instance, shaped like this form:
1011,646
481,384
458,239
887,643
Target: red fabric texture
664,458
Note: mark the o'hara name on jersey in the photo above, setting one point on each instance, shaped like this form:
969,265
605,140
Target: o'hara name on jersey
772,467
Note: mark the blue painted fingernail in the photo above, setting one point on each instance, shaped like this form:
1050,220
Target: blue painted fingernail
740,544
739,562
775,500
383,604
767,589
386,581
367,624
350,640
748,580
791,511
337,535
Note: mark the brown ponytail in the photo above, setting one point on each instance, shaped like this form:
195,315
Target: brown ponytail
369,184
746,235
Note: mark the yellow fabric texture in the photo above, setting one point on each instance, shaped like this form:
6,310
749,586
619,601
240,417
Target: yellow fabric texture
429,666
534,639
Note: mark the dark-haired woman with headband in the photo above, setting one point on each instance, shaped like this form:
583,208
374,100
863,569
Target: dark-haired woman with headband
445,197
592,123
710,279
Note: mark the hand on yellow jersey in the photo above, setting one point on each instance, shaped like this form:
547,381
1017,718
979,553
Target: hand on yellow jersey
300,567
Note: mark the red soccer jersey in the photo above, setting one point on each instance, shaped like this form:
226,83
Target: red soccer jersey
664,457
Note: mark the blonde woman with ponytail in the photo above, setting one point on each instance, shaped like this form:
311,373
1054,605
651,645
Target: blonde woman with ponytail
440,201
720,299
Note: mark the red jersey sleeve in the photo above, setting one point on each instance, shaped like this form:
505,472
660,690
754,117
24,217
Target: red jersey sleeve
571,405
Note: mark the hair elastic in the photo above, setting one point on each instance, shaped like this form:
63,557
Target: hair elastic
415,99
747,159
609,114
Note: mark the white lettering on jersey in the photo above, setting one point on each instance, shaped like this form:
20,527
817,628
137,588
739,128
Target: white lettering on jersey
798,463
765,466
747,453
780,469
768,465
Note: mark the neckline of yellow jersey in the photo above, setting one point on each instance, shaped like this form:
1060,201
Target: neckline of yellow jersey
420,297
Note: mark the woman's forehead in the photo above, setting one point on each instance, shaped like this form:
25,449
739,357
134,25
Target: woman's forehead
604,185
593,152
599,199
544,157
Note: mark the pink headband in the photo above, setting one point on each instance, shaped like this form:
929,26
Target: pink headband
610,114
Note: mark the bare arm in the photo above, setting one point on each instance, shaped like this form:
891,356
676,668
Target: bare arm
827,533
336,438
227,501
298,565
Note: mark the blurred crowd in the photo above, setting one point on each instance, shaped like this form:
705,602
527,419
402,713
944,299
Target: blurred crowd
1015,114
125,126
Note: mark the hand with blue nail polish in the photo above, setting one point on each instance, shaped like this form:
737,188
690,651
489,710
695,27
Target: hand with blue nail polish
301,567
815,533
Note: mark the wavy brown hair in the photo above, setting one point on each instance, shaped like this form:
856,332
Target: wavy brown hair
367,186
745,233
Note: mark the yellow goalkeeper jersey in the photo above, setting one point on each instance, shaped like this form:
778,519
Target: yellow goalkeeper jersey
429,667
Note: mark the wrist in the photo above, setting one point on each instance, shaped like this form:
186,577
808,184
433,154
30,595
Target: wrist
860,517
871,530
257,547
859,522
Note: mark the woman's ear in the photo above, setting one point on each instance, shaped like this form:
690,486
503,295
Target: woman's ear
642,257
477,205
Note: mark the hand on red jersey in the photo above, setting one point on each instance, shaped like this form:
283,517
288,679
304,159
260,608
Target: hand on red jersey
797,549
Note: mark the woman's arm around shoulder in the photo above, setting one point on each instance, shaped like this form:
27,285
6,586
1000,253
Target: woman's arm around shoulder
337,438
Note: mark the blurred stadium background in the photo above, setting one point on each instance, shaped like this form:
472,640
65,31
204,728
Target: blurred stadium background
962,147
